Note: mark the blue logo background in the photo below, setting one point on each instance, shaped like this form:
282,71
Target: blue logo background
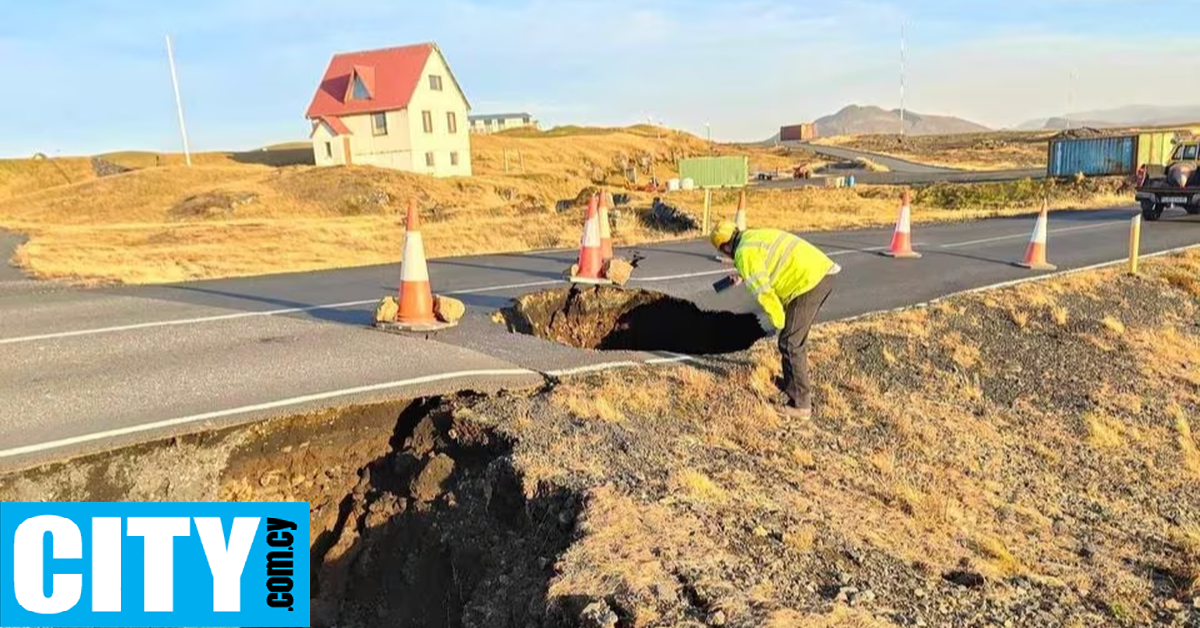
193,579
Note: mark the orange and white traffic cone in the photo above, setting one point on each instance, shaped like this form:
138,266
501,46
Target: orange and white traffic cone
1035,253
416,296
606,245
901,246
591,263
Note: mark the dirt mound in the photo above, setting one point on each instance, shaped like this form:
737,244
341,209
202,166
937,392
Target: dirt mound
1079,133
616,319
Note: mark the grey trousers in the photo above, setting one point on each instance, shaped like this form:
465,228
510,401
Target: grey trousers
798,318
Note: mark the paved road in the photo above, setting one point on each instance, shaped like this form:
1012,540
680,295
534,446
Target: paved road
894,164
903,172
87,370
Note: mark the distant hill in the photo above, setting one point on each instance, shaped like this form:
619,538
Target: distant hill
868,120
1129,115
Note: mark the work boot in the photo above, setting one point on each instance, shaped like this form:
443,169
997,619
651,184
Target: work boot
794,412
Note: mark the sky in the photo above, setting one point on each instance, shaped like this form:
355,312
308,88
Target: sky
97,78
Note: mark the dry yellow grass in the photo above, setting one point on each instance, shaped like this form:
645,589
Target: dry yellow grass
967,151
222,218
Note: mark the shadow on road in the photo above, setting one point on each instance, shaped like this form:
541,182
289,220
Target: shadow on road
352,315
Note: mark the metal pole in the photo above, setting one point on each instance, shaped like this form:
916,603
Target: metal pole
902,60
187,153
707,207
1135,238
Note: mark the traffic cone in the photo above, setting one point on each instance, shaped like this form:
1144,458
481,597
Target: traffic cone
591,262
902,236
416,296
606,245
1035,253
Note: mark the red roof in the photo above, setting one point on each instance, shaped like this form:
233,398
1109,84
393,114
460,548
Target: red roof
391,75
336,125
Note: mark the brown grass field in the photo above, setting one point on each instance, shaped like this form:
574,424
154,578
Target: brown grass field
224,217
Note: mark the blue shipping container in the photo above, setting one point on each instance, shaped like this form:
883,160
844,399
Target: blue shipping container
1094,156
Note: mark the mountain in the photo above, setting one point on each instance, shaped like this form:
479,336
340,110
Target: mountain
860,120
1129,115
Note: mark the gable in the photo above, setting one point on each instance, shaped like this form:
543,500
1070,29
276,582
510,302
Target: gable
389,76
438,59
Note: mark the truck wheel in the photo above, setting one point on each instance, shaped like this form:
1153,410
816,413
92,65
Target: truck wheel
1151,211
1192,210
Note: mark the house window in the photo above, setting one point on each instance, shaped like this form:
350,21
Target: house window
454,158
329,150
429,159
451,122
427,120
360,90
435,82
379,123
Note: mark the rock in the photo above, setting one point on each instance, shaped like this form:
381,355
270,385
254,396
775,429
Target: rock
618,270
448,310
598,615
429,483
387,310
966,579
717,618
1088,550
845,594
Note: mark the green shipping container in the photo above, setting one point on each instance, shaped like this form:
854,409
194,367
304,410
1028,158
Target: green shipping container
716,172
1154,149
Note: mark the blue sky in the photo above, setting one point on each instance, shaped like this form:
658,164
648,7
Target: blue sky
93,74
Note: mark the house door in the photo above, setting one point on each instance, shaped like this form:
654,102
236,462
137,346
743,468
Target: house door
346,150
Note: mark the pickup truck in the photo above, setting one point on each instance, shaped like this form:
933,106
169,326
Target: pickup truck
1177,185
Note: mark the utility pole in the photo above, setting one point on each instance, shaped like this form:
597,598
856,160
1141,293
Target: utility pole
902,60
187,154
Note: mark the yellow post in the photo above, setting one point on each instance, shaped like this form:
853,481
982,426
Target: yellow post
1135,239
707,207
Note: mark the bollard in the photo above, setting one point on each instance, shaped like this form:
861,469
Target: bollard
1135,239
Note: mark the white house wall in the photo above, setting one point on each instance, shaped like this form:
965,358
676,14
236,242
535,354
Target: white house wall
440,142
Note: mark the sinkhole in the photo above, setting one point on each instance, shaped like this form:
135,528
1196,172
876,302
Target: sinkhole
609,318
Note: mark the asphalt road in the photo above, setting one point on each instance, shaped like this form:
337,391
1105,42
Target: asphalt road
891,163
903,172
89,370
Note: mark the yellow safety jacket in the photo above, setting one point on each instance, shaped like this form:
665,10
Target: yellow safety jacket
777,267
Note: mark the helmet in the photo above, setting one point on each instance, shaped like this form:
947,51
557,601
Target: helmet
723,233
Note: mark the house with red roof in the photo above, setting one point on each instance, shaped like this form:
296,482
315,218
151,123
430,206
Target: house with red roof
397,108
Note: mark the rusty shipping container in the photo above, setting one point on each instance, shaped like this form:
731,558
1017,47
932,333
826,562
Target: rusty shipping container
798,132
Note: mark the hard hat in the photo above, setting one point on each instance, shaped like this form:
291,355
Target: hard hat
723,233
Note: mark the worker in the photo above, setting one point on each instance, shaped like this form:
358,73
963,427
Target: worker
791,279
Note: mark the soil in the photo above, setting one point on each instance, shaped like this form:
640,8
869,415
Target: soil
609,318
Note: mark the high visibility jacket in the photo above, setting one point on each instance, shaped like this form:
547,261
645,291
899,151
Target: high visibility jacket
777,267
